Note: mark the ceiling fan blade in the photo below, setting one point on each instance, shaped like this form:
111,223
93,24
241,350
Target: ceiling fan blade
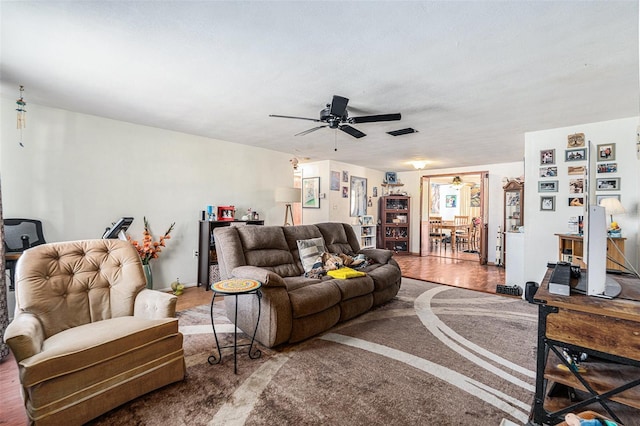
309,131
375,118
297,118
339,106
352,131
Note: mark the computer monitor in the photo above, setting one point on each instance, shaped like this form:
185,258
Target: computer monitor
118,229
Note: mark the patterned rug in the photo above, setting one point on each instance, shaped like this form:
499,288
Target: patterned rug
434,355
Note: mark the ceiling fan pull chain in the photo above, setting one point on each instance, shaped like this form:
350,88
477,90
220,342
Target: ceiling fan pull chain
335,146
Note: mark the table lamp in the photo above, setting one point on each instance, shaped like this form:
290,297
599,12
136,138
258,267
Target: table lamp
613,206
288,196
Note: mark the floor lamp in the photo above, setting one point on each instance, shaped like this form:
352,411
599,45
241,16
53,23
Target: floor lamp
288,196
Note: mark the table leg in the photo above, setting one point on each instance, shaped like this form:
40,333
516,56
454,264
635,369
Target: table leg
212,359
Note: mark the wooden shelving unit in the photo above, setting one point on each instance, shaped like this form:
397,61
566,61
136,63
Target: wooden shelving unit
207,248
366,232
395,229
571,249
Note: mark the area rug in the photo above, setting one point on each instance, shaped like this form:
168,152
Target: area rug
434,355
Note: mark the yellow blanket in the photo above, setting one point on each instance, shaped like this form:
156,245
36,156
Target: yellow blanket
344,273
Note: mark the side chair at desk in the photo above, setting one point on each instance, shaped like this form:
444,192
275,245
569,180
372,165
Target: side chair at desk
607,330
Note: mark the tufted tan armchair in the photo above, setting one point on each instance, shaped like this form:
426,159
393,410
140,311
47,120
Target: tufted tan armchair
87,334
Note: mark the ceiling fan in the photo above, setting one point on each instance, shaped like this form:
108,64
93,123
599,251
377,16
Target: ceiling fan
336,116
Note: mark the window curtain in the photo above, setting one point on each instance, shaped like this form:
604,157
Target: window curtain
465,201
4,309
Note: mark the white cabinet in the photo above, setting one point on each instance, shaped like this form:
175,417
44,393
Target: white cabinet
514,262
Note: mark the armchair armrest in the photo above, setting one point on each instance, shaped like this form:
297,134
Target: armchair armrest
379,255
24,336
154,304
266,277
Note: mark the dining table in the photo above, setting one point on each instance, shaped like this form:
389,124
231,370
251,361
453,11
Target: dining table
453,227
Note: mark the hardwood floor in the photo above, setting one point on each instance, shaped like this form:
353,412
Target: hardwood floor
460,272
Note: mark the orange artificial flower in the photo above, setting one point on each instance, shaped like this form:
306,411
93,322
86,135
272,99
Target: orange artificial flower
150,249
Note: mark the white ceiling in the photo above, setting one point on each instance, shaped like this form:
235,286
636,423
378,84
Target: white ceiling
471,77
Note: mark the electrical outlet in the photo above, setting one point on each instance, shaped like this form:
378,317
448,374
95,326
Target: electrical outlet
195,253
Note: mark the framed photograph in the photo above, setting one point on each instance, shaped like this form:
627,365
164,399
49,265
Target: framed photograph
608,168
345,176
311,193
575,154
576,140
547,203
576,170
367,220
345,192
451,201
335,181
391,177
576,186
607,184
602,197
375,191
547,156
548,186
576,201
548,171
606,152
358,193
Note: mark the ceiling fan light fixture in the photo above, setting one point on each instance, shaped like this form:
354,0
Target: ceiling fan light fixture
401,132
457,182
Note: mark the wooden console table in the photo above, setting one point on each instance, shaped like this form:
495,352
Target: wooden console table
607,330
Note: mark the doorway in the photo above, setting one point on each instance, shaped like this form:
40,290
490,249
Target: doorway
453,216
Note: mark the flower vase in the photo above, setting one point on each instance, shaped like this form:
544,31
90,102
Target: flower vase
147,274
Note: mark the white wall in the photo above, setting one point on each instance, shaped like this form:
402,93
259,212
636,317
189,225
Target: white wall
494,210
79,173
541,245
335,208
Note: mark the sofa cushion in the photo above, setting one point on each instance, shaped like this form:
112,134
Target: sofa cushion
88,344
339,238
266,247
314,298
310,250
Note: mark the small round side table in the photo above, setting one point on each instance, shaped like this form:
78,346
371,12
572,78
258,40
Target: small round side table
236,287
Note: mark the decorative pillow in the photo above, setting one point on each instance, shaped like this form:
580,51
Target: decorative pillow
309,251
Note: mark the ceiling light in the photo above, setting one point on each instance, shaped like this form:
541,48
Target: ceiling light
400,132
457,182
418,164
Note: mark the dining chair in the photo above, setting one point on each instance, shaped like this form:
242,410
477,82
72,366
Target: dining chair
436,233
463,233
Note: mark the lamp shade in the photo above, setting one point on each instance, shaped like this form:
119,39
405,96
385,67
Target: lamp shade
612,206
288,195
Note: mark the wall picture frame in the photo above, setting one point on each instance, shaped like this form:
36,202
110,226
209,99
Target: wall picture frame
548,171
335,181
575,140
311,193
576,186
548,186
576,202
548,203
577,170
345,192
608,184
358,195
391,178
547,156
606,152
451,201
345,176
575,154
607,168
